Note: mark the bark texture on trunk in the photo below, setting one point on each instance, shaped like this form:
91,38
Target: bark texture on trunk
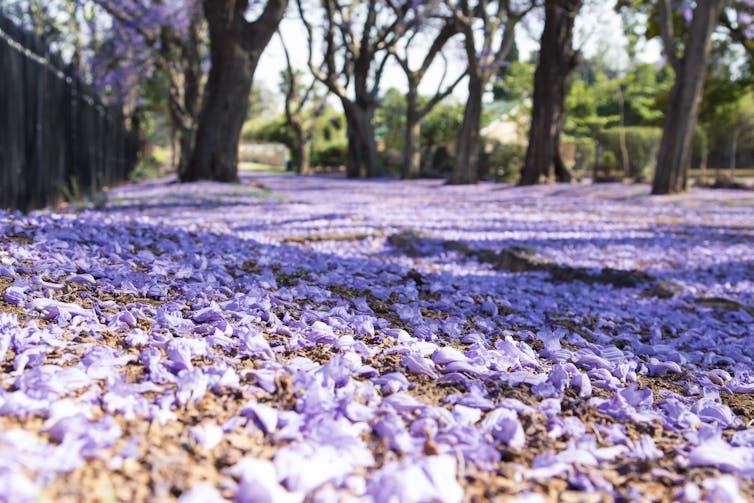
235,48
411,167
303,151
184,92
674,156
361,160
466,166
556,60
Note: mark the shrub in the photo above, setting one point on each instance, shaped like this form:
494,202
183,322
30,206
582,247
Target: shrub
585,148
642,144
330,155
147,168
608,160
505,161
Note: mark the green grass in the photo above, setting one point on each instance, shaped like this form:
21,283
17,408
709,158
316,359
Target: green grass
255,167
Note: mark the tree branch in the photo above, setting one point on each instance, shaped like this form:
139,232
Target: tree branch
667,35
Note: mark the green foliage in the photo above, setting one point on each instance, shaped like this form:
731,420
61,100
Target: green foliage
441,125
330,155
593,100
516,83
390,119
585,150
329,128
608,159
642,144
505,161
147,168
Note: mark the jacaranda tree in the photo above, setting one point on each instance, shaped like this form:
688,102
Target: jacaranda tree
235,47
556,60
354,38
488,29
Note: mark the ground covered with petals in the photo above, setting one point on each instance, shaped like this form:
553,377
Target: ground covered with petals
318,339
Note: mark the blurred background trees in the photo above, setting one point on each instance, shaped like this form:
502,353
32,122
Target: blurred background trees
443,89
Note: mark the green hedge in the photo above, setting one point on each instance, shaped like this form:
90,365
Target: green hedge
330,155
642,144
505,161
584,156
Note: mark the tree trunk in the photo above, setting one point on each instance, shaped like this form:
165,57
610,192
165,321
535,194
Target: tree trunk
624,157
733,153
235,48
361,160
556,60
674,156
411,167
303,151
466,167
226,101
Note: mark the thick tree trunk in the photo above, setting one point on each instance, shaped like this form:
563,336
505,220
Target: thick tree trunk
361,160
235,48
303,151
185,149
412,151
223,114
556,60
466,167
674,156
305,158
411,167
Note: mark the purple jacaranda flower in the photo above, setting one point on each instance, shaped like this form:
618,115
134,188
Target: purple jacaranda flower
60,312
258,483
50,382
357,412
677,414
402,402
263,415
126,399
689,493
101,362
321,333
744,438
180,351
645,449
431,478
391,382
409,313
137,338
15,486
253,344
589,481
418,365
709,410
546,466
192,386
719,454
656,367
305,466
474,397
448,354
208,315
81,279
724,489
15,295
202,493
505,427
558,426
207,435
8,326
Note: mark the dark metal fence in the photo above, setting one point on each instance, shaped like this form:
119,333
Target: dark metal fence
56,136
